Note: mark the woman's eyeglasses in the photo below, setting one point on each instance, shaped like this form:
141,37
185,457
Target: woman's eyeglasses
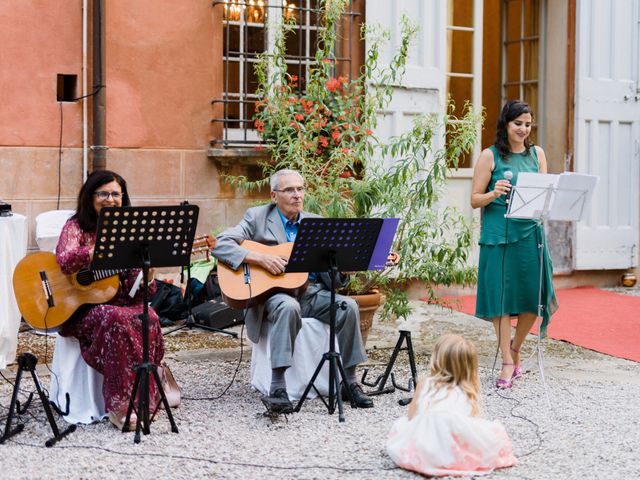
102,195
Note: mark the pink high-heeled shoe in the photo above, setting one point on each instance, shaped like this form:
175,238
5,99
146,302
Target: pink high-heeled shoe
502,383
517,371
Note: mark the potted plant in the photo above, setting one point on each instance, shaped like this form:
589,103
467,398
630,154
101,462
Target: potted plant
324,129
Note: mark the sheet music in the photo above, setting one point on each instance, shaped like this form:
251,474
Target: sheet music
529,196
573,196
566,197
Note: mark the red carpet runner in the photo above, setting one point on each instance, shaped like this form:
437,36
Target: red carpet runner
606,322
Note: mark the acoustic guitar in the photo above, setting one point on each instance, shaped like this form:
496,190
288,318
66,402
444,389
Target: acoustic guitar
238,294
47,298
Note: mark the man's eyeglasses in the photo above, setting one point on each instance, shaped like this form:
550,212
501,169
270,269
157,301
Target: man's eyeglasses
291,190
102,195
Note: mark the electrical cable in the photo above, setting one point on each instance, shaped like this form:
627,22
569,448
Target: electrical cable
95,92
494,378
235,373
206,460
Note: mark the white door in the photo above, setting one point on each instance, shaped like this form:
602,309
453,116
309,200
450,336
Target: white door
422,88
608,131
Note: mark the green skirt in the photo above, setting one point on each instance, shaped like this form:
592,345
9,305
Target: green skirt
509,279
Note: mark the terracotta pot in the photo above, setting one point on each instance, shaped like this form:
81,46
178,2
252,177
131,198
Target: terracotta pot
628,279
368,304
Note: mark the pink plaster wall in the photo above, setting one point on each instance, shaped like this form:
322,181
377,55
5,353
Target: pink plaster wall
160,73
38,40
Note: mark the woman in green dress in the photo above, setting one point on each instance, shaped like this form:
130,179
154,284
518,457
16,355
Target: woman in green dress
509,266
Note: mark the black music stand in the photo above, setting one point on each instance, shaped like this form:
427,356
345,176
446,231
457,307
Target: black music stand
324,244
190,321
145,237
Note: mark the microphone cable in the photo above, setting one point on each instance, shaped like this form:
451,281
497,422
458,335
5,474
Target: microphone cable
502,289
235,373
494,377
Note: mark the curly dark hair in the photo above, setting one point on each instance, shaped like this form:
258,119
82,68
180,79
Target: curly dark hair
85,213
511,110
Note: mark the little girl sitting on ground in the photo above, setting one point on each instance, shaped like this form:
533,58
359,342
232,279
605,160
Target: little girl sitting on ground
444,432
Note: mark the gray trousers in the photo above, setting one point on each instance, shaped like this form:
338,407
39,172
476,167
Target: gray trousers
285,312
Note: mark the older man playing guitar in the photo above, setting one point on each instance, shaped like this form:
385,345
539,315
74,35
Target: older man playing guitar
275,224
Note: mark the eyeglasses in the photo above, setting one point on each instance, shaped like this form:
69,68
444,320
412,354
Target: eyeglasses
291,190
102,195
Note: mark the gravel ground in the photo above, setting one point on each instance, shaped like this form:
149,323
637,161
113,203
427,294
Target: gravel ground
583,422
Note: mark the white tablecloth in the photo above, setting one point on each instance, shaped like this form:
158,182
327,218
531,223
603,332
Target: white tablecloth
13,247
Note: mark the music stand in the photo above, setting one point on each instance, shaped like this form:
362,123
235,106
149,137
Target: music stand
145,237
539,196
190,321
334,244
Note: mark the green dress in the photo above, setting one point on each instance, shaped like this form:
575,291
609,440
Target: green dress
509,266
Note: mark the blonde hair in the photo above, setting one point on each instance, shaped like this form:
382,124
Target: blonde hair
455,363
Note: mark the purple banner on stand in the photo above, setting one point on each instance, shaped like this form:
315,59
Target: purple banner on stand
383,245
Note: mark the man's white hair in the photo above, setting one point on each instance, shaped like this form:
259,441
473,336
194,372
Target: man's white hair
275,178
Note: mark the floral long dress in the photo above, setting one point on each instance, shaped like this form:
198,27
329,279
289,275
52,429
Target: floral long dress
110,335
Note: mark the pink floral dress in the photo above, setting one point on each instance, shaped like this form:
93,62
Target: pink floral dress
110,335
444,439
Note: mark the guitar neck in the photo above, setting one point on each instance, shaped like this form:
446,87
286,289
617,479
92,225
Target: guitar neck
100,274
87,277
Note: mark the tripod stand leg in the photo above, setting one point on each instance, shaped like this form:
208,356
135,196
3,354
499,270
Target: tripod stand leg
165,402
47,409
27,361
8,431
335,358
310,384
191,323
412,359
130,409
143,404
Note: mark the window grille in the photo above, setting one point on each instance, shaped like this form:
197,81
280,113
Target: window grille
464,60
246,35
522,68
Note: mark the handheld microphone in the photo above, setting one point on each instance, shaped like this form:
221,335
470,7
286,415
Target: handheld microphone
508,175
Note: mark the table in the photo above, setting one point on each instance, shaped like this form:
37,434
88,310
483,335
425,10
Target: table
13,247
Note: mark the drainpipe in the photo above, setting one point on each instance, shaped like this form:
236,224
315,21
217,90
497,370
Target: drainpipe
99,147
85,100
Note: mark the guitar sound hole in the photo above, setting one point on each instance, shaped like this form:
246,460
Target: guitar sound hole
84,277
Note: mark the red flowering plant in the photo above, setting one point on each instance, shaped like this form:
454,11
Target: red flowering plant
323,126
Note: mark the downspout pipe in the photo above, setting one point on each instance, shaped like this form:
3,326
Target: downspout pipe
99,147
85,100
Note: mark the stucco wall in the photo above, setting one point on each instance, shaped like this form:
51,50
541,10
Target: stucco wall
160,73
38,40
160,77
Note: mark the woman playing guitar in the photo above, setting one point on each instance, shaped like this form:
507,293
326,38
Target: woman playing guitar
110,335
